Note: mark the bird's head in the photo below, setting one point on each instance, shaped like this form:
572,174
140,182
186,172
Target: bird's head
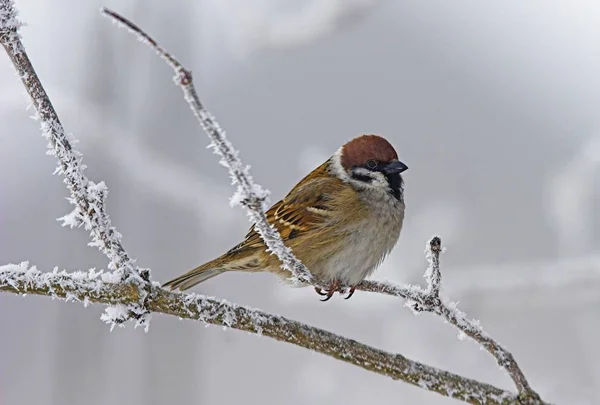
370,162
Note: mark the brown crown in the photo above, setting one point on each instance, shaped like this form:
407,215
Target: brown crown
360,150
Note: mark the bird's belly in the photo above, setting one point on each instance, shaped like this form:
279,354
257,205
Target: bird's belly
362,252
348,267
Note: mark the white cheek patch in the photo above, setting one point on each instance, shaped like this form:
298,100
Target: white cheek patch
380,185
378,180
361,171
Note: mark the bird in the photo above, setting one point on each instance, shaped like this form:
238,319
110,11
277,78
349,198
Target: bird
340,221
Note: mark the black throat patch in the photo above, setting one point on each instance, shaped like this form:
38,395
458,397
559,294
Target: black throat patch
396,185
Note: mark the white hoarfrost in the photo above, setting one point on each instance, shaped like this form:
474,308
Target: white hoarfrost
9,27
116,315
76,285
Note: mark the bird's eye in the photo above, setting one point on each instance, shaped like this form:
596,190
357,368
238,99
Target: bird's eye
371,164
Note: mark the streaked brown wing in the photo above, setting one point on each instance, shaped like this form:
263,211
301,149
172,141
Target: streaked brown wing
305,208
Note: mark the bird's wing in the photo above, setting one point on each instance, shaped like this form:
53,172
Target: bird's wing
306,208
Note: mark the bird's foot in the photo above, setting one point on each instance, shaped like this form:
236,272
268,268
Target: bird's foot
334,287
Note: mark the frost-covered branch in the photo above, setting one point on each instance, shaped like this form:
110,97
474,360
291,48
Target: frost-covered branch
428,300
89,198
249,194
96,287
433,275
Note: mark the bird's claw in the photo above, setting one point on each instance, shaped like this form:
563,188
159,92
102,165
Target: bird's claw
351,293
333,288
329,295
319,291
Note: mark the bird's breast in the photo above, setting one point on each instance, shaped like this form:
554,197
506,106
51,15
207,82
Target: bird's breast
365,242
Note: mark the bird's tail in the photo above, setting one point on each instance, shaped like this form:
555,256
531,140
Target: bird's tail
235,260
196,276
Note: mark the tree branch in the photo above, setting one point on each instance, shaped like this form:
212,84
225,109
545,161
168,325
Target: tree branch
88,197
97,288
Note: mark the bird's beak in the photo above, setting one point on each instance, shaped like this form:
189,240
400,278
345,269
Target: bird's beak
394,167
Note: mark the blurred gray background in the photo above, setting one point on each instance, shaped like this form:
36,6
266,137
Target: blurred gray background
494,106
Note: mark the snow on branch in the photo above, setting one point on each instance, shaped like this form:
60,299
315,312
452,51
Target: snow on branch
102,288
249,194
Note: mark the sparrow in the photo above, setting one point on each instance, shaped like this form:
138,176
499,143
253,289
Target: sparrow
341,221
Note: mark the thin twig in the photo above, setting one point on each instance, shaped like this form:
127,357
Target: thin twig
89,287
433,275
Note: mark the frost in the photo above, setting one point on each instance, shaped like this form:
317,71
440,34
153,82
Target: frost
9,27
111,278
115,315
143,322
74,285
72,219
432,275
8,16
236,199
